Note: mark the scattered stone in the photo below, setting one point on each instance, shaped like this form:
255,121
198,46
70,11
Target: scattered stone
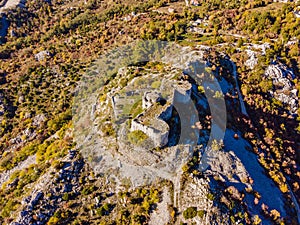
253,60
234,192
41,55
171,10
264,207
192,2
38,120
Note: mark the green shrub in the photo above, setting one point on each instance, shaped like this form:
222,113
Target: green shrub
137,137
65,197
210,196
107,129
201,213
105,209
266,85
88,190
190,213
156,84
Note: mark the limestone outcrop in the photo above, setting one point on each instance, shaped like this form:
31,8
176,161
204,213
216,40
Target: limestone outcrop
284,89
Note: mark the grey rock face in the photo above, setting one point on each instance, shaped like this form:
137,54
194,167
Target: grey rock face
252,61
41,205
284,89
41,55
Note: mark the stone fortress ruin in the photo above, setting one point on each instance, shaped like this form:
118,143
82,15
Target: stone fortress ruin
155,104
157,110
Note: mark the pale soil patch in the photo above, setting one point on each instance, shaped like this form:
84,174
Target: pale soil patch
162,215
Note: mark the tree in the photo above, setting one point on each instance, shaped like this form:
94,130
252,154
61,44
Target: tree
283,187
240,42
256,220
185,168
275,214
138,219
146,205
53,220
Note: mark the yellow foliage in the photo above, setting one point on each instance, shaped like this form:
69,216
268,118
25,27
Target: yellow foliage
53,220
283,188
275,214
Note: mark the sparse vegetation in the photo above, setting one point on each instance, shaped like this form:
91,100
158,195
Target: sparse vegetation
36,97
190,213
137,137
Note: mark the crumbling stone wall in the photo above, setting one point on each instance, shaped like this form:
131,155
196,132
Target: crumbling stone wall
158,131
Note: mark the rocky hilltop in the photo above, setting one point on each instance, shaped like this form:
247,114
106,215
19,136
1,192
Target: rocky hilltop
149,112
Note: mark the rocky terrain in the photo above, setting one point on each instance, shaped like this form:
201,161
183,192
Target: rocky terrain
41,203
149,112
237,169
285,91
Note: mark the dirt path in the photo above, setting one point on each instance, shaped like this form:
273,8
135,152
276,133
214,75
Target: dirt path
162,215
